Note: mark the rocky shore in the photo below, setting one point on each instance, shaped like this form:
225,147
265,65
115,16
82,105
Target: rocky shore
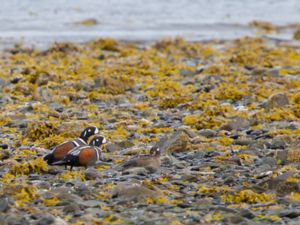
225,115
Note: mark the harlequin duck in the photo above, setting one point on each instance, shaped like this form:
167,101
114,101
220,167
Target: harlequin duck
60,151
84,155
151,161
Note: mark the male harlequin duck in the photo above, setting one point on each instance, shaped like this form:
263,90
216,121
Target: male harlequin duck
60,151
151,161
84,155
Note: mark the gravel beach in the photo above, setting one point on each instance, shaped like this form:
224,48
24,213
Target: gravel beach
224,114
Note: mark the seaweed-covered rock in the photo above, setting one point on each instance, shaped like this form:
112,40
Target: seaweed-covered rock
176,142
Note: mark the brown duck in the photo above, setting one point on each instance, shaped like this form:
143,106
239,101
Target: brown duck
151,161
60,151
84,156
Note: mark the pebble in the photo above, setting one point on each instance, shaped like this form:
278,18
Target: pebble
176,142
207,133
133,192
4,204
16,220
237,123
290,213
278,100
45,220
278,143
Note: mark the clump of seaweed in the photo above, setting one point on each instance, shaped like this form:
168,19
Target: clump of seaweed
26,167
247,196
39,130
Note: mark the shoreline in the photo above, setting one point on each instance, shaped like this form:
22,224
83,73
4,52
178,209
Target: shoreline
225,116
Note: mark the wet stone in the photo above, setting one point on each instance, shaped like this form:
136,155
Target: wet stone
176,142
91,174
91,203
278,143
278,100
237,124
207,133
290,213
243,141
71,208
46,220
246,213
111,147
4,204
16,220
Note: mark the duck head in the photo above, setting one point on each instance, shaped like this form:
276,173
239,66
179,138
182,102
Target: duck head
88,132
98,141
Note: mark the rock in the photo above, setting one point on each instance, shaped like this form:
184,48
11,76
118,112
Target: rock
268,161
71,208
125,144
59,221
184,72
133,192
237,123
290,213
276,101
281,185
137,171
46,220
111,147
246,213
63,194
177,142
233,218
292,154
3,146
96,212
187,130
208,133
4,204
281,155
91,174
2,83
6,99
4,154
16,220
90,203
278,143
243,141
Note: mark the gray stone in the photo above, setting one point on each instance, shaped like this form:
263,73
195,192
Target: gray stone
71,208
2,83
237,123
111,147
125,144
278,143
4,204
90,203
270,161
45,220
277,101
176,142
208,133
91,174
246,213
133,192
282,186
243,141
136,171
16,220
290,213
